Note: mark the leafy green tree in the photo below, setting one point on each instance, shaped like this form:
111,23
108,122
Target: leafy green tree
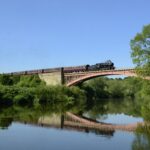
56,94
24,99
140,54
30,81
97,87
6,80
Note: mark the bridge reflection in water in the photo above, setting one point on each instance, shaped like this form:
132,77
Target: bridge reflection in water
70,121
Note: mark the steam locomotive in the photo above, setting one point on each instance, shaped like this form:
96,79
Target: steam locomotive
108,65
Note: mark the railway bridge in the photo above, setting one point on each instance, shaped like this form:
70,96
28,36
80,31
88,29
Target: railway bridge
78,77
58,76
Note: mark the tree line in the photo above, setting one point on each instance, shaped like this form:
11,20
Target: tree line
31,90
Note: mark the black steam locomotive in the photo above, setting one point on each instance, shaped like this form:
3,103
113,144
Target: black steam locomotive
108,65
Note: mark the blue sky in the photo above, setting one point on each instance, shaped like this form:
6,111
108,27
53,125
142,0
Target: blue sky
38,34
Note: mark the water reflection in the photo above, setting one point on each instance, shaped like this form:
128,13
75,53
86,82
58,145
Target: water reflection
102,110
120,119
5,122
62,121
65,120
79,119
141,142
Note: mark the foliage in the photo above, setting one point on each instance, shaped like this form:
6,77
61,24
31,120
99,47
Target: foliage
96,88
30,90
142,140
116,88
7,94
140,46
55,94
6,80
24,98
146,88
30,81
23,81
5,122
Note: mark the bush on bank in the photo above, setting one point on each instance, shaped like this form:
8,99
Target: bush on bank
28,96
53,94
10,95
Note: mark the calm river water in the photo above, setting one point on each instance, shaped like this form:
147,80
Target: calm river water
39,129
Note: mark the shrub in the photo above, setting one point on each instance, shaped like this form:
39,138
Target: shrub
24,99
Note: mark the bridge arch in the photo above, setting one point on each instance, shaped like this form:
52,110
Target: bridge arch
89,76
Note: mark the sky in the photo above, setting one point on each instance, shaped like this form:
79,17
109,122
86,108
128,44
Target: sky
37,34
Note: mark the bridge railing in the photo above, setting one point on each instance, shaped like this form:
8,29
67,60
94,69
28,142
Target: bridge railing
116,70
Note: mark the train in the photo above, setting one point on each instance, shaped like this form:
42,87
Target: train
32,72
107,65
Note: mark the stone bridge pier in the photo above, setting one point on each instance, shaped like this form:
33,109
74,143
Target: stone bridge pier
55,77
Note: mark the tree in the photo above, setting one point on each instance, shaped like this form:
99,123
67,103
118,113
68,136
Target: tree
140,54
6,80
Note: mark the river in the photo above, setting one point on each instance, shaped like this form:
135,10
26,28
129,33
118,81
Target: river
55,127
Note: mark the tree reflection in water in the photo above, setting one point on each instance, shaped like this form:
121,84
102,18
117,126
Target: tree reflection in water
141,142
54,116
